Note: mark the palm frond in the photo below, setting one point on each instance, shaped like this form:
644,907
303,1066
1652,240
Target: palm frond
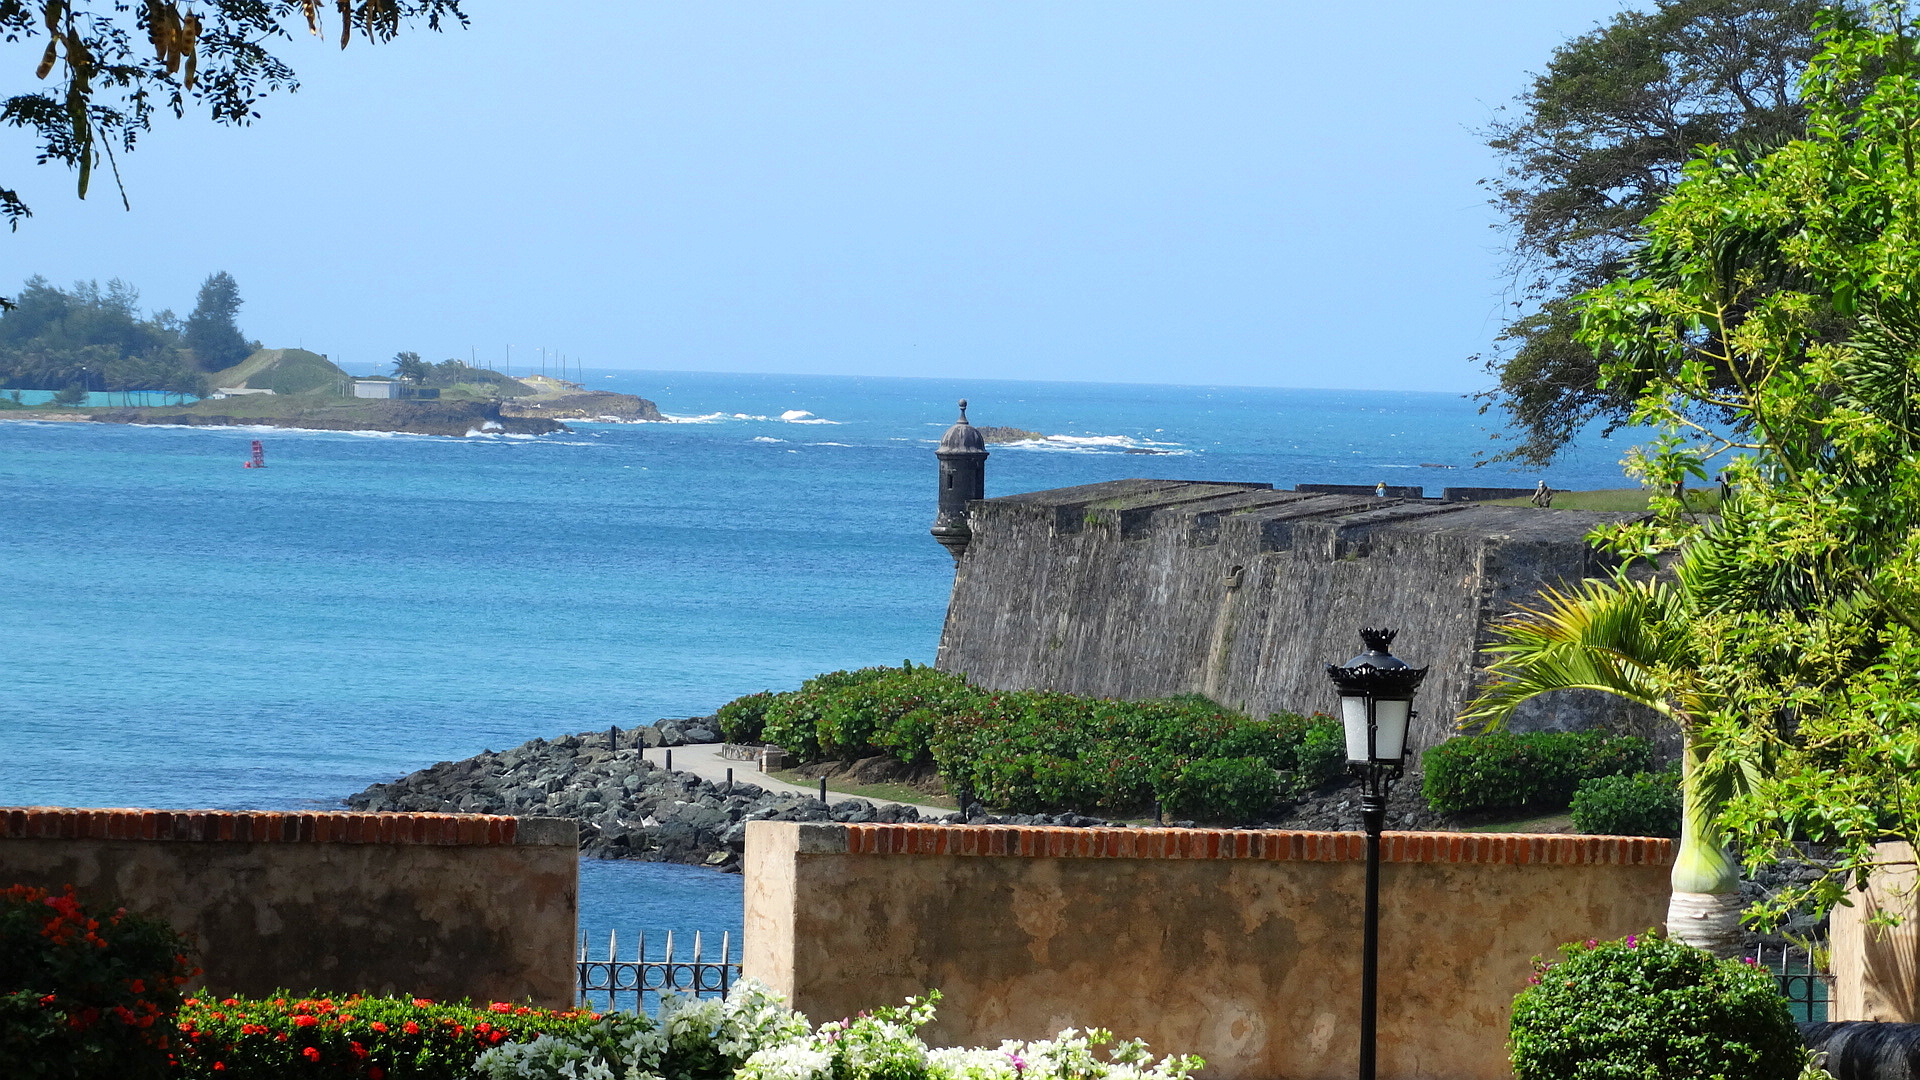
1621,637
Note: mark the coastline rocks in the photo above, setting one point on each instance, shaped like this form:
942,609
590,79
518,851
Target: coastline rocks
587,405
455,418
627,807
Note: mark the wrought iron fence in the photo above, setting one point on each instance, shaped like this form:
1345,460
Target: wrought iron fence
614,983
1807,988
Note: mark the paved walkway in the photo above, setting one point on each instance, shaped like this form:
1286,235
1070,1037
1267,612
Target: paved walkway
704,761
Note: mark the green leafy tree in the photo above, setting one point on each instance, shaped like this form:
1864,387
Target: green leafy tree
91,336
1596,144
1796,629
212,331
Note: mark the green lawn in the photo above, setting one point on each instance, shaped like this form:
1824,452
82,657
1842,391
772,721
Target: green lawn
884,792
1701,500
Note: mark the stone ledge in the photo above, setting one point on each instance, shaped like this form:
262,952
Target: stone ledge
61,823
1270,845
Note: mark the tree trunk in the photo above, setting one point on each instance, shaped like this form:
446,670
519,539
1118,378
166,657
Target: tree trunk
1706,905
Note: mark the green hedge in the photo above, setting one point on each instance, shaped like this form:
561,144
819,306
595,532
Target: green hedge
1636,804
1033,751
1539,770
1646,1008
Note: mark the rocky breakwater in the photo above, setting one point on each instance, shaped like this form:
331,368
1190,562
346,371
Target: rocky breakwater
627,807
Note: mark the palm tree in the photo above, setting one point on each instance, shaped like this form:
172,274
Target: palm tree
1636,639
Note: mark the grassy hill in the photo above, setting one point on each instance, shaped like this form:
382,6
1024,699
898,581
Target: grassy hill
283,371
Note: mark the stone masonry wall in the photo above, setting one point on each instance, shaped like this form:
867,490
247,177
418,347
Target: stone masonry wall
1140,588
438,905
1241,946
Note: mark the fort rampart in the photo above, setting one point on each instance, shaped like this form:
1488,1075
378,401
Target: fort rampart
1240,946
1140,588
438,905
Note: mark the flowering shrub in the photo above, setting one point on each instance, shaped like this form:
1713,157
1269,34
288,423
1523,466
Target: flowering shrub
285,1036
752,1035
1647,1008
85,994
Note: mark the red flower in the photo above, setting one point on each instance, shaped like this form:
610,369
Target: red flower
311,1053
219,1066
500,1007
305,1021
378,1026
48,1000
411,1028
421,1003
358,1050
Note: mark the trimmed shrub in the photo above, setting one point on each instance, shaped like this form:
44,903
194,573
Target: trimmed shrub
1646,1008
85,994
1635,804
1540,769
1044,752
285,1036
1227,787
744,718
793,719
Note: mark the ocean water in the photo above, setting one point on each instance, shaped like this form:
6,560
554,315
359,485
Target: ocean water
177,631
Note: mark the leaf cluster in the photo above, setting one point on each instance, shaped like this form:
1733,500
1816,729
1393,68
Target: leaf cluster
1784,292
109,67
1594,146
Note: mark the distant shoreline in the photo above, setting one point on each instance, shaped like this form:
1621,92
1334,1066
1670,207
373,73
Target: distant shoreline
455,419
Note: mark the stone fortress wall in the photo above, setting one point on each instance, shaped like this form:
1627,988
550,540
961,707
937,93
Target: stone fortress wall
1140,588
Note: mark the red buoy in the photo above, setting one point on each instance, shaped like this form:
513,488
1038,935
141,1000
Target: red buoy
259,460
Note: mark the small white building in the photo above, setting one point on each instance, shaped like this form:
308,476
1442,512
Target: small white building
236,391
376,388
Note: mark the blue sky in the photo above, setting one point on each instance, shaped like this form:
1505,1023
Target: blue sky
1186,191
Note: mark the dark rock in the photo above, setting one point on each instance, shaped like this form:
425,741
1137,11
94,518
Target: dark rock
1862,1050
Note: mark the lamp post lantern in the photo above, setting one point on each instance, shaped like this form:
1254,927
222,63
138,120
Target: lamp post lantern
1376,709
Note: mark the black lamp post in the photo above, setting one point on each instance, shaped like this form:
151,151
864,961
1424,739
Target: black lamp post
1376,708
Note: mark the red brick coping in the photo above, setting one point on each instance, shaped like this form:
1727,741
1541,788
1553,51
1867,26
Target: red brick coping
1270,845
60,823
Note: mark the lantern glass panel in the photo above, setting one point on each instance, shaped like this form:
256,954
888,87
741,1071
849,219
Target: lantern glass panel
1390,728
1353,716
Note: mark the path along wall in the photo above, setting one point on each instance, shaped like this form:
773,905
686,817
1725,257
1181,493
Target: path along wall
1141,588
437,905
1240,946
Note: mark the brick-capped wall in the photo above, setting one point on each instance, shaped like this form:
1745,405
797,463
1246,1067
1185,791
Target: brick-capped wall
1240,946
439,905
61,823
1273,845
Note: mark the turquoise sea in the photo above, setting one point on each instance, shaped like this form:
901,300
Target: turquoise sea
177,631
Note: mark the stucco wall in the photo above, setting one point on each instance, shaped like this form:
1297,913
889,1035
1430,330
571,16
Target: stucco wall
1239,946
438,905
1139,588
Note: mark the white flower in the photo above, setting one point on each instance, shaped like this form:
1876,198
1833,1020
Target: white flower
792,1061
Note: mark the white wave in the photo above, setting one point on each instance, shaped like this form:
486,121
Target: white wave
832,444
795,414
763,438
709,418
1099,444
814,420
